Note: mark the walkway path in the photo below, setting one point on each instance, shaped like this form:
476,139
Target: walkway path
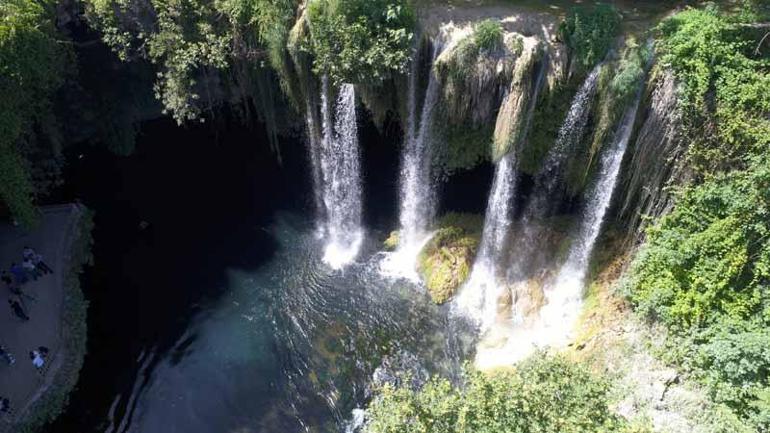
21,383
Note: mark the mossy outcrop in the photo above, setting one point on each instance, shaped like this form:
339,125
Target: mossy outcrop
445,262
515,110
475,70
391,243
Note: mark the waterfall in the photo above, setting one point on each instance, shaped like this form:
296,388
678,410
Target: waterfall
569,137
337,176
550,175
564,296
480,294
314,155
417,186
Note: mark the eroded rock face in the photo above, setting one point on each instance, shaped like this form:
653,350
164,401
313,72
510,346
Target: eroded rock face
474,80
656,158
515,109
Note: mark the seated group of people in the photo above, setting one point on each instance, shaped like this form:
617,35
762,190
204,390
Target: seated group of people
31,268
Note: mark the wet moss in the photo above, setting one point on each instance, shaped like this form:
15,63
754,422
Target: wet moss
445,262
391,243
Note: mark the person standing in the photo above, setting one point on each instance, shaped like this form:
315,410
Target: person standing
18,310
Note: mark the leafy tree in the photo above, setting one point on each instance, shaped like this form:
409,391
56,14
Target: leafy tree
360,41
32,66
188,39
542,394
705,269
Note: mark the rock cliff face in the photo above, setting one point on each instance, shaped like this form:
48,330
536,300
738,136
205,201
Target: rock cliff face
656,159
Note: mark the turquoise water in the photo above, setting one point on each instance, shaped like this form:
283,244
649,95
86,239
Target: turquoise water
294,346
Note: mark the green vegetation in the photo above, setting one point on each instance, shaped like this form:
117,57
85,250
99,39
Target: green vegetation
464,147
725,85
391,243
542,394
73,333
588,32
360,41
705,270
445,261
485,40
619,82
488,35
32,66
190,39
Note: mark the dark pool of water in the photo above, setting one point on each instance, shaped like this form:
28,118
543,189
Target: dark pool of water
209,308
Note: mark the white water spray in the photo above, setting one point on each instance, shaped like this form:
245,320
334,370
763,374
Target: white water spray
564,294
564,297
417,186
480,294
340,177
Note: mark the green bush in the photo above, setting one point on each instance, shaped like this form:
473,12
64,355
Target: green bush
705,269
588,32
542,394
190,38
360,41
488,35
725,86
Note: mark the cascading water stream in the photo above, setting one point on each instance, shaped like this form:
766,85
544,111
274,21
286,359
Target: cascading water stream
564,296
340,178
417,186
479,296
550,175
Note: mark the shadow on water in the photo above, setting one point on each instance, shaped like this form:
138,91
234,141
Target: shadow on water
211,310
170,220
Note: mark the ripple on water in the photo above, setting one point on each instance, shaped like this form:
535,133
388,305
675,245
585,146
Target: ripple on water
296,345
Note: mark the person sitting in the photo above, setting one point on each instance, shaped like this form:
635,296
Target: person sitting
37,260
5,354
39,356
5,405
31,269
18,310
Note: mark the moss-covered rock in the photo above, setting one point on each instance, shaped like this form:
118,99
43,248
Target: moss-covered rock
475,70
445,261
391,243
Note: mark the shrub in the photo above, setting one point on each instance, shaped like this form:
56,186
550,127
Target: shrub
588,32
488,35
189,38
725,87
542,394
360,41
